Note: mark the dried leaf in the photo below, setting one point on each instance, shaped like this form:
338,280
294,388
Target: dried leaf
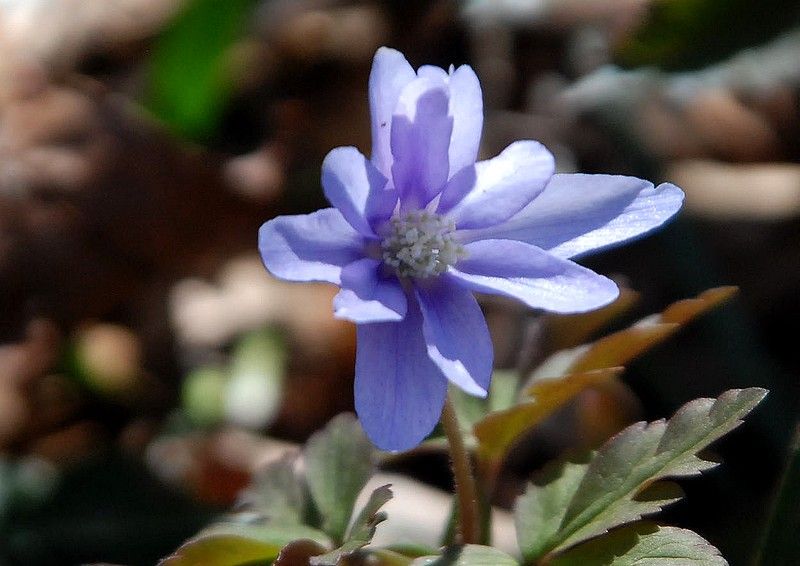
567,331
621,347
498,431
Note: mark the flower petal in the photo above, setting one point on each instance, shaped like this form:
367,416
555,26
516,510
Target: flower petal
367,296
466,107
498,188
533,276
389,76
354,186
399,391
456,333
577,214
309,247
421,129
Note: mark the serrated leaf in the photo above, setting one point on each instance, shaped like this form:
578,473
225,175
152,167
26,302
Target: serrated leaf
498,431
643,544
361,531
232,544
621,347
278,492
468,555
612,489
338,465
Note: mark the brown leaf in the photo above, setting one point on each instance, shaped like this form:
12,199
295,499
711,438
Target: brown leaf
621,347
566,331
683,311
498,431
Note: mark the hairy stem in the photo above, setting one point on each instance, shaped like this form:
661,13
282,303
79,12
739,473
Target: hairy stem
466,492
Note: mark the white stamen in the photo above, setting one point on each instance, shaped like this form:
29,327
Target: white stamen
421,244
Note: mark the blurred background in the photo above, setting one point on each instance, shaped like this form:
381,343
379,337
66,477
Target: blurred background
149,364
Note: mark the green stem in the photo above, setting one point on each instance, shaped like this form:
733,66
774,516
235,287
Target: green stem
466,492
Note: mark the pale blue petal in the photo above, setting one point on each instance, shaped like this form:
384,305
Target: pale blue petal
367,295
389,76
578,214
434,73
399,391
309,247
354,186
456,333
421,129
498,188
466,107
533,276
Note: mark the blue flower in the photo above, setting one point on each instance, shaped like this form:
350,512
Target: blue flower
418,227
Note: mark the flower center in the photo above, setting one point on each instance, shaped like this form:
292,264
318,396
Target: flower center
421,244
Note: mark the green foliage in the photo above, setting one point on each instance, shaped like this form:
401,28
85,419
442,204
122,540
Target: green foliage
190,71
569,372
618,485
233,544
279,492
468,555
338,465
362,530
581,512
643,544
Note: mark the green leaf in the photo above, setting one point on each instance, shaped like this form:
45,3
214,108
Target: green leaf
362,530
643,544
469,555
617,485
338,465
503,389
278,492
234,544
190,71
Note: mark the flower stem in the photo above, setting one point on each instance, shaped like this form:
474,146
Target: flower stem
466,492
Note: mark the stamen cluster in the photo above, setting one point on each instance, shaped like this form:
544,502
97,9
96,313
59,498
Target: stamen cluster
421,244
